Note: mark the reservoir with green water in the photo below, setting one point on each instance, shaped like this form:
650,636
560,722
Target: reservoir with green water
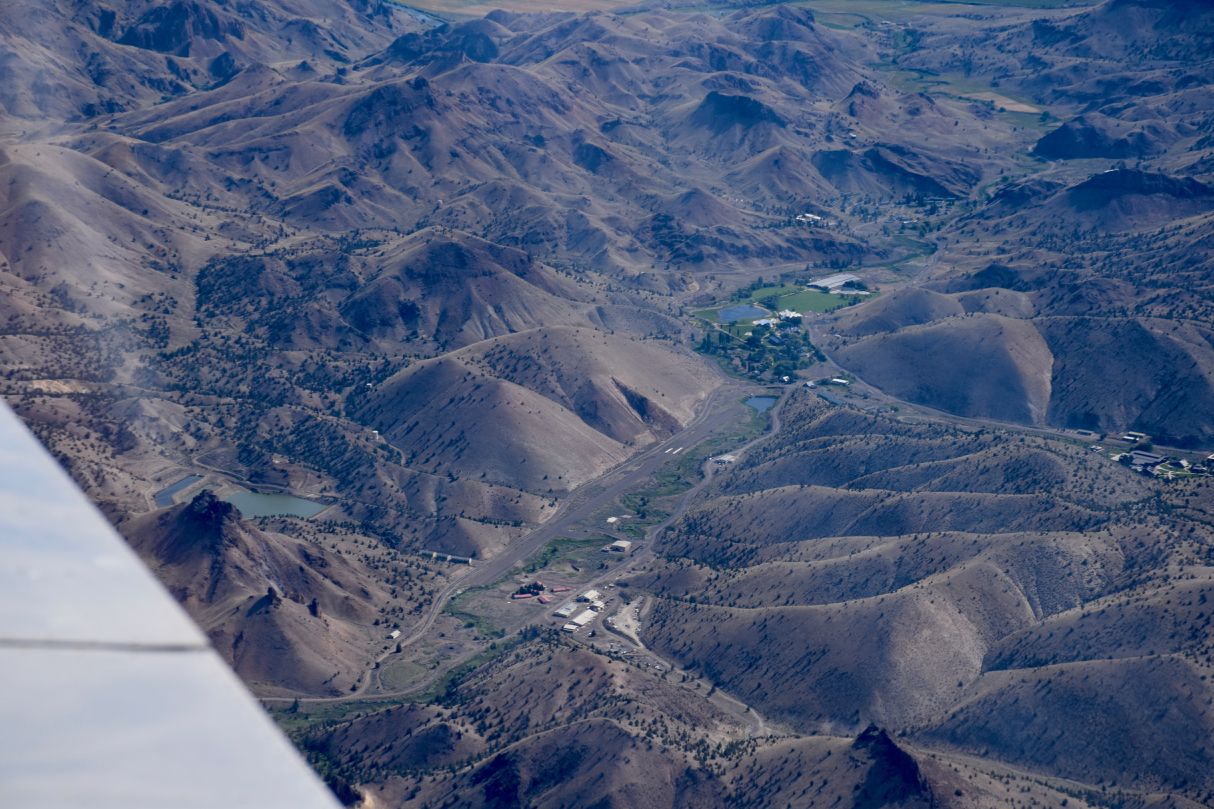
253,504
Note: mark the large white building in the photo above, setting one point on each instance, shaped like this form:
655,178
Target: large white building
833,282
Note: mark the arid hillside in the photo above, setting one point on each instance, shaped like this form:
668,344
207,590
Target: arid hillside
263,264
1077,291
75,60
418,272
288,613
984,593
607,733
1043,346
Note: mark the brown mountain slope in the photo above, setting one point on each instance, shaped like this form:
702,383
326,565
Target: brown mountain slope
582,728
1044,355
70,59
591,395
1085,714
65,217
819,582
437,291
986,365
568,744
400,119
286,613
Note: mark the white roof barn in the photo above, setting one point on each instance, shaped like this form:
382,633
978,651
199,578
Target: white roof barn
834,281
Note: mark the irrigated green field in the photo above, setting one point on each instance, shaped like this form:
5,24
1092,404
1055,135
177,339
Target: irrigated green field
787,296
811,300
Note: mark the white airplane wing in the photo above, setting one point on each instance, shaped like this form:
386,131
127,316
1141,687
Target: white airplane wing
110,696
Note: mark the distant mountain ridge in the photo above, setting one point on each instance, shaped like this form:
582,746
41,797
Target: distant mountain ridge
123,54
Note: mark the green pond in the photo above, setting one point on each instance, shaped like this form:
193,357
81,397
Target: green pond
252,504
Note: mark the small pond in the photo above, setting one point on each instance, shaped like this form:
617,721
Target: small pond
252,504
761,403
741,311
